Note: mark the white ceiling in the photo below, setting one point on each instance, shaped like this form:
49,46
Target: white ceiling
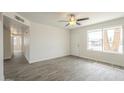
52,18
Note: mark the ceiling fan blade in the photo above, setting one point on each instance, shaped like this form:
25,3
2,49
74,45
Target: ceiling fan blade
82,19
67,24
62,21
78,23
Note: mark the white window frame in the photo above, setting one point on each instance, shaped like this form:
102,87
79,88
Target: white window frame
102,29
93,30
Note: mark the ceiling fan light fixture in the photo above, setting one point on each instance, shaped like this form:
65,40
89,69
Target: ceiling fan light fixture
72,22
72,18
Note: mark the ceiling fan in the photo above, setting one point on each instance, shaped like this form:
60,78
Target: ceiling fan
73,21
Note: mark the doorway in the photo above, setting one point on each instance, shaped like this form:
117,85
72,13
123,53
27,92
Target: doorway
16,46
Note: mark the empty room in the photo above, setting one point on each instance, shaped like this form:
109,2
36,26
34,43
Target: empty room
62,46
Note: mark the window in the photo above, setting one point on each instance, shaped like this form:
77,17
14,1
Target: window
112,40
95,40
106,40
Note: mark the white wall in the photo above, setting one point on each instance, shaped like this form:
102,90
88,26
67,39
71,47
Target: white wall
1,49
7,43
47,42
79,43
25,42
44,42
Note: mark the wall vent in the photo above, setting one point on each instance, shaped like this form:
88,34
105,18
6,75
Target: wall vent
19,19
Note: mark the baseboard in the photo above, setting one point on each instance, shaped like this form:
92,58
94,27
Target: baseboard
27,59
44,59
100,61
7,58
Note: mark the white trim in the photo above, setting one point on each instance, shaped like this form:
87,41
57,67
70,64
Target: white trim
102,29
99,60
94,30
44,59
7,58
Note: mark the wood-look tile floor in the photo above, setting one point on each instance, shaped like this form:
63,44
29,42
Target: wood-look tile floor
68,68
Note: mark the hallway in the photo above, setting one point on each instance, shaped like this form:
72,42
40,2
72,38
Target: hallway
16,46
12,66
